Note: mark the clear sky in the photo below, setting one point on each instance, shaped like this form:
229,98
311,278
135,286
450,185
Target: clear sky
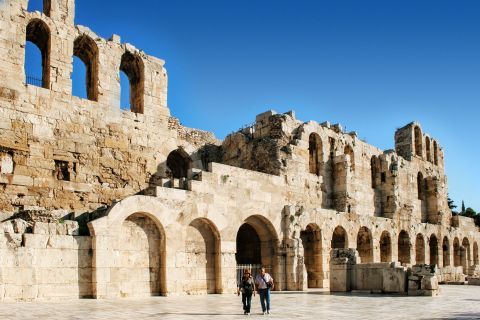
372,66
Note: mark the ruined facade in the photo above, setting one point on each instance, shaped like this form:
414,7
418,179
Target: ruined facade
96,201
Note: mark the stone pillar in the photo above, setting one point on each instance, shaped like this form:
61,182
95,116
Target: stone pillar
101,264
296,272
341,265
226,273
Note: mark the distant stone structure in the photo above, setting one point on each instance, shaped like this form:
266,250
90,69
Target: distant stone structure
96,201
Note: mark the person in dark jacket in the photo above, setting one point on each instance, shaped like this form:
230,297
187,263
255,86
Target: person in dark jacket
247,288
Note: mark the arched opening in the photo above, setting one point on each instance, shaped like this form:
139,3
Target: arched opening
446,252
178,164
385,247
86,50
456,253
365,245
419,249
465,255
349,151
202,250
435,153
404,247
339,238
132,66
315,151
312,247
427,146
420,186
139,252
433,250
421,193
418,141
475,253
374,170
257,244
37,34
40,5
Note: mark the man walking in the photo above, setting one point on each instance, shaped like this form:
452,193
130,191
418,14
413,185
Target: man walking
264,283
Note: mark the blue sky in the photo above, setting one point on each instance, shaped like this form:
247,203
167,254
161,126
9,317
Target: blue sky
373,66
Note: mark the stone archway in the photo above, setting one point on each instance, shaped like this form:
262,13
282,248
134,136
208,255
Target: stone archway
202,254
403,247
433,244
446,252
312,248
339,238
138,251
365,245
456,253
466,258
385,247
419,249
475,253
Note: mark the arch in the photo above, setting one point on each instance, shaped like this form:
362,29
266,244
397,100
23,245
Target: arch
475,253
446,251
315,151
404,247
418,141
202,250
433,243
365,245
435,152
427,146
264,247
419,249
456,253
374,170
38,33
339,238
466,258
349,151
312,247
139,253
385,247
132,66
86,50
178,164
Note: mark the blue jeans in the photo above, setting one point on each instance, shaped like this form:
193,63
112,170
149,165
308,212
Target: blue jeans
264,299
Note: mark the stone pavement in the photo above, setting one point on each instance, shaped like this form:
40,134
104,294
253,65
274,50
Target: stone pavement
454,302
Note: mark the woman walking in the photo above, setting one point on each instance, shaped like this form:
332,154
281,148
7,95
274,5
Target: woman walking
247,287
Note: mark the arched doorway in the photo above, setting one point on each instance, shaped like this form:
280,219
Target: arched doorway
433,243
257,244
419,249
385,247
456,253
404,247
139,254
315,151
312,247
339,238
178,164
446,252
202,250
365,245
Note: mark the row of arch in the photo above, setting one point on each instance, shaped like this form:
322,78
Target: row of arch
86,49
431,147
316,156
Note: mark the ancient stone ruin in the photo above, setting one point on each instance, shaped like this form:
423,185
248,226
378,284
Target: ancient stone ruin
97,201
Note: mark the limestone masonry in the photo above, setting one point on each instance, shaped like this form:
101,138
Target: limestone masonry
97,201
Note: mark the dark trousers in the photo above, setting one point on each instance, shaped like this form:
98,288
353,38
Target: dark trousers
264,299
247,301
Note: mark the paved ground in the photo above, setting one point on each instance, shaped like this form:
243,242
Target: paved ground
455,302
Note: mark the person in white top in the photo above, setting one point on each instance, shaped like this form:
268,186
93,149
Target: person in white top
264,283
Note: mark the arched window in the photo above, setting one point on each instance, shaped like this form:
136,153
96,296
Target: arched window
404,247
349,151
435,153
418,141
86,50
40,5
427,145
38,34
315,152
132,66
178,163
420,186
